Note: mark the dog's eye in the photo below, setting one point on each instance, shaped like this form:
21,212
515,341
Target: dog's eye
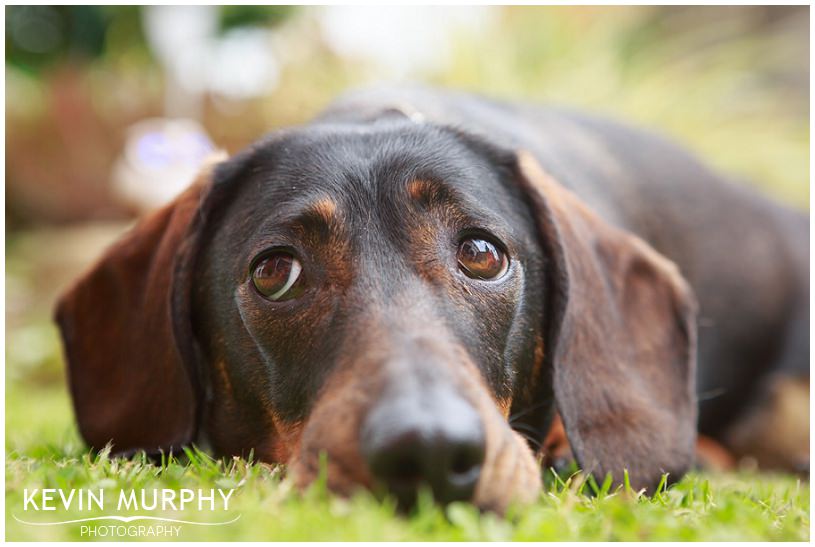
480,259
277,276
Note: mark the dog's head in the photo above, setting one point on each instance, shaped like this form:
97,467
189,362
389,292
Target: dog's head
400,297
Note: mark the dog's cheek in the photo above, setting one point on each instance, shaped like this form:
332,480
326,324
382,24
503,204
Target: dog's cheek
236,428
494,333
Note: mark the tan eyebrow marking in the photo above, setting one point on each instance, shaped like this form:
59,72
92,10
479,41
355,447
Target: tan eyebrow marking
321,213
320,218
324,208
425,191
418,188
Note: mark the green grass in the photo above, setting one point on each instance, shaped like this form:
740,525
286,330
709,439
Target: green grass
43,451
700,507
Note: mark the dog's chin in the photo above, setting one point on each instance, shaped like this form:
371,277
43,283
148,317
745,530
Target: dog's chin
510,475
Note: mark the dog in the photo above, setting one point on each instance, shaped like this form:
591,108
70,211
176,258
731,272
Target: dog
419,283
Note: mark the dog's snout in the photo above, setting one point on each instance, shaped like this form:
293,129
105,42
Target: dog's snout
436,440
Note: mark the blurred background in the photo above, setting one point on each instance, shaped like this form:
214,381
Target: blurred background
109,111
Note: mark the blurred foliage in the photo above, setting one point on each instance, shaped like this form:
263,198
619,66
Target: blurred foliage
238,16
731,82
37,37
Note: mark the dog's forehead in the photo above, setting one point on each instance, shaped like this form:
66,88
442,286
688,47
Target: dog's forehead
362,162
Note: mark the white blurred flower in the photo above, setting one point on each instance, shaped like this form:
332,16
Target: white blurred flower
238,65
402,40
180,37
242,65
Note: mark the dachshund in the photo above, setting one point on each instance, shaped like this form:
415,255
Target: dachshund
415,288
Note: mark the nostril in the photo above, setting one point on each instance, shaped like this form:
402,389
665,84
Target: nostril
403,469
400,467
464,469
461,465
465,460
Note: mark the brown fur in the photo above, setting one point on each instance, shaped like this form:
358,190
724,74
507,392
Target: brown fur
148,397
623,377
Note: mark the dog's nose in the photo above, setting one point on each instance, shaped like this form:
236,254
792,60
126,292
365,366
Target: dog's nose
435,441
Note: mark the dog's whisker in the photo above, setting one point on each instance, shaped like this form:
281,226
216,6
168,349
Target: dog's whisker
525,427
537,444
527,410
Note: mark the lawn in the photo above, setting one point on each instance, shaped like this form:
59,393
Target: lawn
44,451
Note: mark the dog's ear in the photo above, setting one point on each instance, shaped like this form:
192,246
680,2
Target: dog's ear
620,339
125,332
